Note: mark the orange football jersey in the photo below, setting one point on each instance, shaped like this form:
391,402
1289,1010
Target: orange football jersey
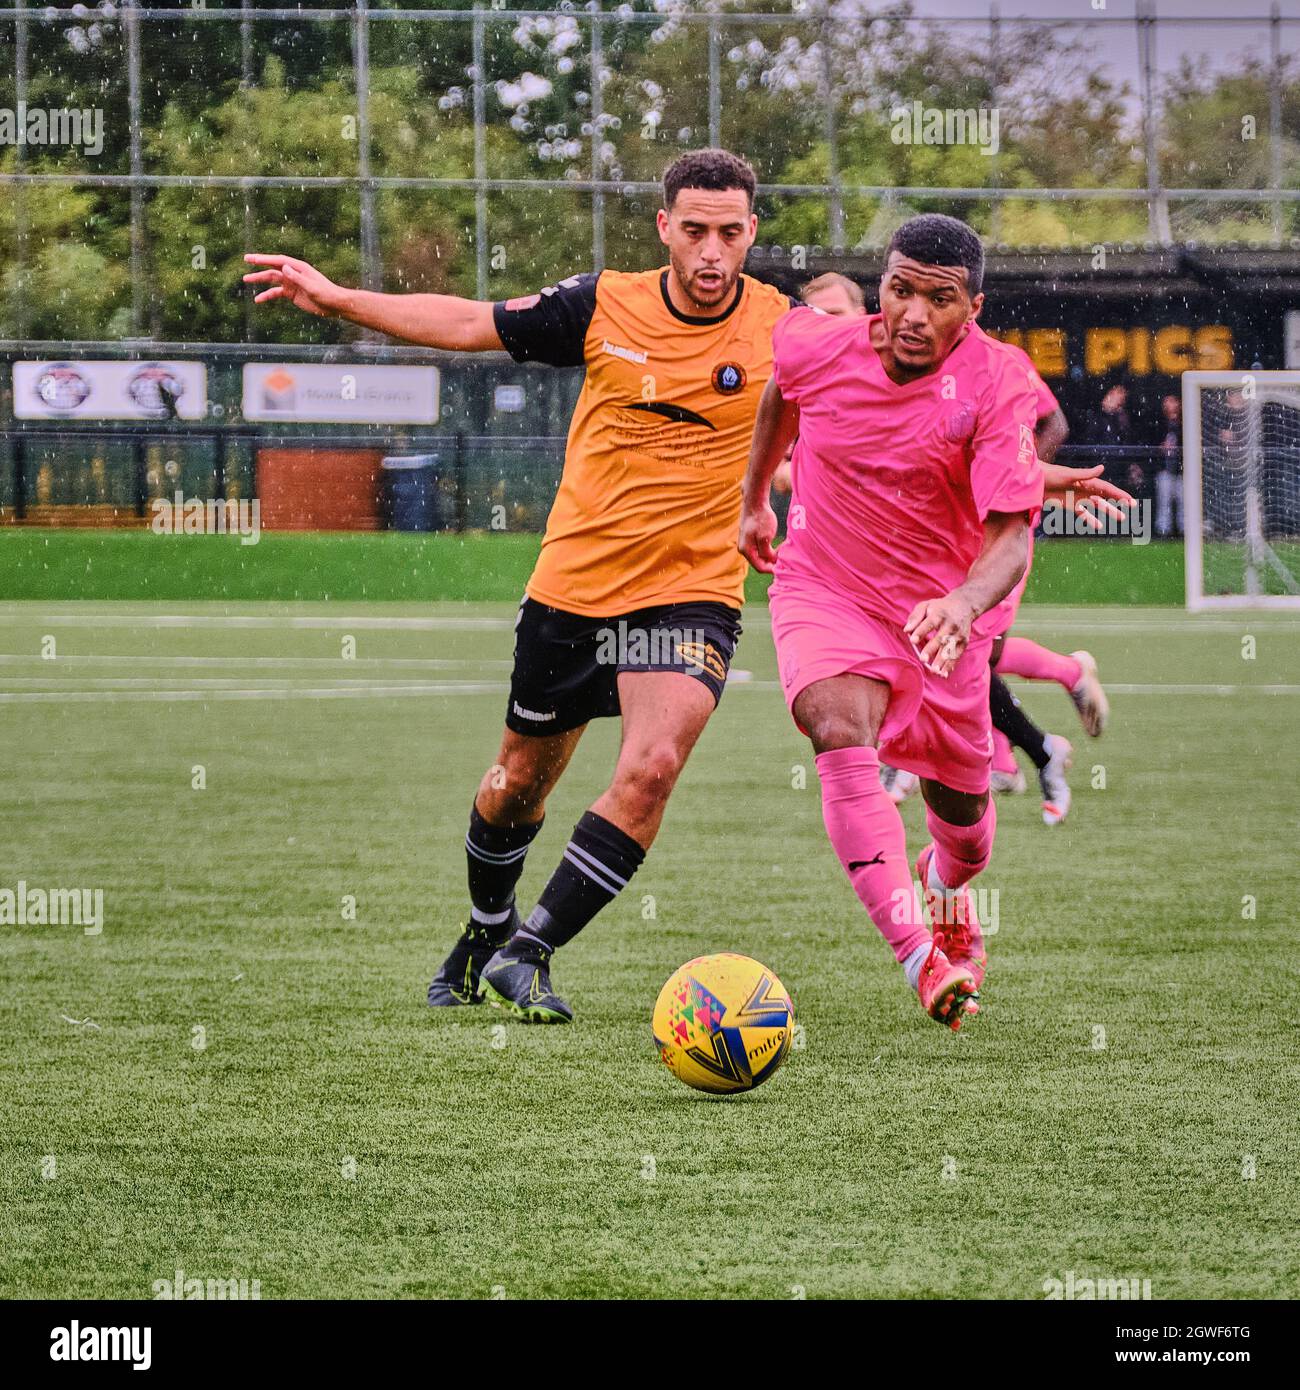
648,509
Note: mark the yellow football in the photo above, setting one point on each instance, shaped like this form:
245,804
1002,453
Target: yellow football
723,1023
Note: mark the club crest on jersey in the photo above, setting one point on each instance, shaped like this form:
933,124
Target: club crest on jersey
728,378
960,424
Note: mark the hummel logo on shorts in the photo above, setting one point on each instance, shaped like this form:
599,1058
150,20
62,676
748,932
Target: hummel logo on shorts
532,713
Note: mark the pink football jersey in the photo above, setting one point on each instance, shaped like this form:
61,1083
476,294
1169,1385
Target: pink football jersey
891,484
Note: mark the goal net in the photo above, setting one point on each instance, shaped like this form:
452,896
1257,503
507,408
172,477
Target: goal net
1241,488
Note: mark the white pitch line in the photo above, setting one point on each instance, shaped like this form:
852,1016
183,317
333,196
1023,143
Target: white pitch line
1177,624
1180,626
266,620
1118,689
1112,688
214,696
754,619
362,690
160,683
315,664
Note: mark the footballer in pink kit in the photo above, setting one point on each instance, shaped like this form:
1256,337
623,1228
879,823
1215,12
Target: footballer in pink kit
915,488
891,485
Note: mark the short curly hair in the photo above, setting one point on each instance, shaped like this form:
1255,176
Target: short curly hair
712,169
935,239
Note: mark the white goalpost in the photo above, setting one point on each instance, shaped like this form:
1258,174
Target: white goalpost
1241,489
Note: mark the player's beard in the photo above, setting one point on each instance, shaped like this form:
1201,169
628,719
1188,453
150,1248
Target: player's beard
692,291
921,359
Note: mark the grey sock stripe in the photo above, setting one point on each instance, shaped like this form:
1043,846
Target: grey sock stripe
489,857
591,873
596,864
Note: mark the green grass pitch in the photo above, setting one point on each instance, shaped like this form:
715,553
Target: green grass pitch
1135,1064
392,566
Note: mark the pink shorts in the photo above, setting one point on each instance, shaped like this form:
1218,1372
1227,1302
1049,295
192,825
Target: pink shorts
937,727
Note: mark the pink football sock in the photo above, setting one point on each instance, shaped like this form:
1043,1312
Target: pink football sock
1004,757
961,851
1021,657
867,833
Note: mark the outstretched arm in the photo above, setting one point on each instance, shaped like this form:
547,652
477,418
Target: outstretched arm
775,427
940,627
1086,493
434,320
1082,491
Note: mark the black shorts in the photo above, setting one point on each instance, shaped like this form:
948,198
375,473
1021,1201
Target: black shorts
567,666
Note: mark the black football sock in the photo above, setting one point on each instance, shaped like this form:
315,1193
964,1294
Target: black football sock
597,863
495,855
1010,719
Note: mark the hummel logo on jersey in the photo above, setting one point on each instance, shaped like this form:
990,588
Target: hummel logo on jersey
867,863
568,283
627,354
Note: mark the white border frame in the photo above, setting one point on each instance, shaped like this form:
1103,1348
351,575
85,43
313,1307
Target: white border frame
1193,512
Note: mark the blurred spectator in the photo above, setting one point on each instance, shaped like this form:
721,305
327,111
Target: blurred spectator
1137,480
1111,423
833,294
1226,440
1169,480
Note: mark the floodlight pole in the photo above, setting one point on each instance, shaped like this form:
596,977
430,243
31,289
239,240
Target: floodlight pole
715,77
21,227
371,271
1275,116
480,158
251,319
1157,203
138,301
826,29
597,136
995,79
